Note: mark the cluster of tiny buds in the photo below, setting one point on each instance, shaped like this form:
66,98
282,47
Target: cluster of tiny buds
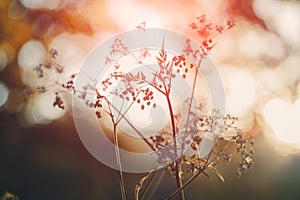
196,142
58,101
245,148
118,47
181,66
159,141
147,98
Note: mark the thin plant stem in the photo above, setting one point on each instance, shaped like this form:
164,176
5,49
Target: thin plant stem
120,110
175,193
132,126
177,167
140,61
191,101
122,115
117,152
163,173
202,170
153,85
147,186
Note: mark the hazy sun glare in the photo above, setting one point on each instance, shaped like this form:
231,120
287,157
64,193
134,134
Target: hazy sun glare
283,118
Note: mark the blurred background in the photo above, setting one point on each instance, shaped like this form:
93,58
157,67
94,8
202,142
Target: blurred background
41,155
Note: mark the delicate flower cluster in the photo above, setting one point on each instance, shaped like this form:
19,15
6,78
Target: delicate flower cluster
208,31
189,50
42,71
69,85
58,102
118,47
49,65
245,148
140,88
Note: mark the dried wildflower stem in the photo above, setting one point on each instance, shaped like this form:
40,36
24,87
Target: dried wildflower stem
200,171
209,164
173,124
117,152
147,186
141,62
175,193
167,88
161,82
163,173
122,115
176,163
191,102
150,175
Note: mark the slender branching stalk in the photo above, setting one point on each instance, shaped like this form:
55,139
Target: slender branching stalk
140,89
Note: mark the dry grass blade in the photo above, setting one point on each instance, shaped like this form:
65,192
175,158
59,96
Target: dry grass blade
163,173
140,184
218,173
175,193
117,152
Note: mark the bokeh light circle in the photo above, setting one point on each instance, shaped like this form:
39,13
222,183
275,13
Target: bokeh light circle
16,10
39,111
31,54
41,24
282,124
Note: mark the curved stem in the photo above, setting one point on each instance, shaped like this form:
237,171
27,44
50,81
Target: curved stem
117,151
163,173
191,102
131,125
173,124
185,184
177,166
148,185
